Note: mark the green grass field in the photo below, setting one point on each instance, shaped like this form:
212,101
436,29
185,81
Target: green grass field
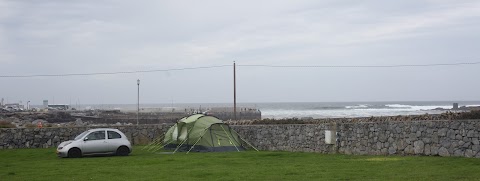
42,164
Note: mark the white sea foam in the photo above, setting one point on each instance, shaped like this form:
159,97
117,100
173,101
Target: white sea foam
418,108
398,106
473,105
348,113
358,110
360,106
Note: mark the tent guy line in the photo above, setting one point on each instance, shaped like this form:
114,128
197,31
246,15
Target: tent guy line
246,65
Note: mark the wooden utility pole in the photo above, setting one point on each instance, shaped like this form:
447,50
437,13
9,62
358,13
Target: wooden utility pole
234,93
138,98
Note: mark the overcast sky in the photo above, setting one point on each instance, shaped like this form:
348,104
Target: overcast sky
58,37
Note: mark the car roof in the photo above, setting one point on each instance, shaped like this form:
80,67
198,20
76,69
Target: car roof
100,129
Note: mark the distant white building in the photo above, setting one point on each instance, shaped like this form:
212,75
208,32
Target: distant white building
45,104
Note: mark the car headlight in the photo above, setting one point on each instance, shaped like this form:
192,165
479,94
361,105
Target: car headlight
61,147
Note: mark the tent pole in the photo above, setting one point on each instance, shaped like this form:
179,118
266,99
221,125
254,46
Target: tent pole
229,138
186,138
153,143
197,141
150,144
162,146
230,131
245,141
159,140
156,148
180,145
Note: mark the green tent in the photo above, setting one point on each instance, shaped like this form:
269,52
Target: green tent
202,133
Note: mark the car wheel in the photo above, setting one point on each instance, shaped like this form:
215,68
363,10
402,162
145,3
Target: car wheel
123,151
74,153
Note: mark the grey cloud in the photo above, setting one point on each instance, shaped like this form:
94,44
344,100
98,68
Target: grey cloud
105,36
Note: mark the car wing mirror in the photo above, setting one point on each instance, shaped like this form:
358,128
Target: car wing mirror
85,139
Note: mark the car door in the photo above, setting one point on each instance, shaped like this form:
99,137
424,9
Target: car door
114,140
95,142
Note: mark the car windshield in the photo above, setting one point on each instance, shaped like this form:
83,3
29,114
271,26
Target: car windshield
81,135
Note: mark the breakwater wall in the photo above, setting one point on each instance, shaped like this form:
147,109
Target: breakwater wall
129,117
226,113
433,138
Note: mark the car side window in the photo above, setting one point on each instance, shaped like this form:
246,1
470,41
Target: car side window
113,135
97,135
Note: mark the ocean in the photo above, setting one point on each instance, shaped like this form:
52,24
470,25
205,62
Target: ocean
312,109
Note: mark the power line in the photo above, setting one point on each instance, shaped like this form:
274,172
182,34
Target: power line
252,65
110,73
361,66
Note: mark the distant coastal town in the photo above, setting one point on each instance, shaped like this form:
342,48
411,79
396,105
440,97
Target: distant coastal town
17,115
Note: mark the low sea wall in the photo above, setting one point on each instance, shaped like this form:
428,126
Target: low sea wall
439,137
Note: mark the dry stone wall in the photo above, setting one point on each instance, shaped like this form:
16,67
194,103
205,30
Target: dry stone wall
443,138
434,138
285,137
51,137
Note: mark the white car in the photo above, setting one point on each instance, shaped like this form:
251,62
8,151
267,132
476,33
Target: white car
96,141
